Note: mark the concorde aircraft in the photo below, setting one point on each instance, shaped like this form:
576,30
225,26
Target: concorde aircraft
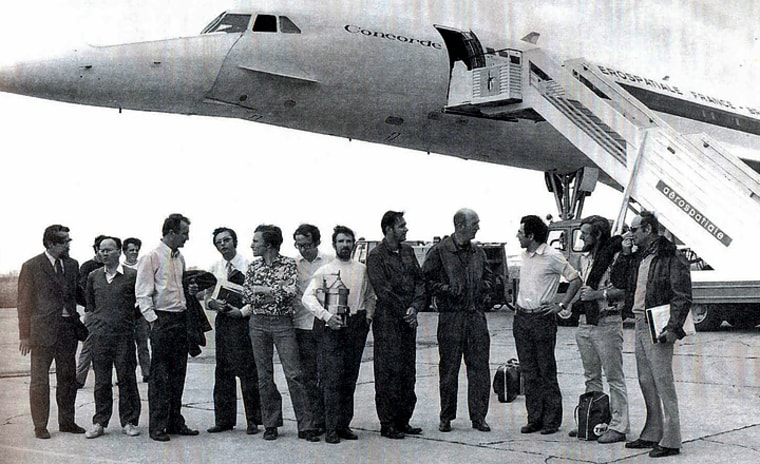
443,90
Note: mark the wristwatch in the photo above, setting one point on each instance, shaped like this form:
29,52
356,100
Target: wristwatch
561,305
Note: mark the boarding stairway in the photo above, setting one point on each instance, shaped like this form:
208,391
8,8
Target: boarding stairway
704,195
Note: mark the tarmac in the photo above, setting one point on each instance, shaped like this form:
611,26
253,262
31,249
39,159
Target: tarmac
718,384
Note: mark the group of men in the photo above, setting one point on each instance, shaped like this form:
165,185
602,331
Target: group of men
317,310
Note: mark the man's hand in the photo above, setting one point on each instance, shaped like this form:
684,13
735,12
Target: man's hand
589,294
411,317
550,308
667,337
24,347
233,313
333,323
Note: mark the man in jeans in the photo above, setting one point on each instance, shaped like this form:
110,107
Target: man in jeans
600,333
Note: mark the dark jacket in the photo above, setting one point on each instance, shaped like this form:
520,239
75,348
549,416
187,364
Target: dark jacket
111,305
669,281
42,297
458,277
197,322
397,280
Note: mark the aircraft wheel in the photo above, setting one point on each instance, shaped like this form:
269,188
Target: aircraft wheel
706,317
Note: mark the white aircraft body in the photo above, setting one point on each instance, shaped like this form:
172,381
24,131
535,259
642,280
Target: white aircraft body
356,77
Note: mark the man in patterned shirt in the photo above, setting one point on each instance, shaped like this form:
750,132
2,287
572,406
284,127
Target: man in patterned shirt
270,285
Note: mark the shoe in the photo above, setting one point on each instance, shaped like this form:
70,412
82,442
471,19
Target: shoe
640,444
309,435
481,425
549,430
159,436
444,426
71,428
347,434
611,436
130,430
392,432
96,431
332,437
573,433
252,429
661,451
409,430
41,433
530,428
185,431
219,428
270,433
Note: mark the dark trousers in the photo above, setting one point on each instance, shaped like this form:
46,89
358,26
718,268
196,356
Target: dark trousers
395,356
535,339
464,333
234,358
168,343
109,352
64,354
308,349
341,357
142,330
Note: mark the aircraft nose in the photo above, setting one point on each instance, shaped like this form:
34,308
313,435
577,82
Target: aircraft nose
52,78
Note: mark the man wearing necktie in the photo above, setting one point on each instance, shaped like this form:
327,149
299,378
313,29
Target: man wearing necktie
47,317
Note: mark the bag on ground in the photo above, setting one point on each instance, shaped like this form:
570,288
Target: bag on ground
592,415
506,381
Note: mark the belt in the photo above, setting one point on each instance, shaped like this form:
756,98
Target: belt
520,309
609,312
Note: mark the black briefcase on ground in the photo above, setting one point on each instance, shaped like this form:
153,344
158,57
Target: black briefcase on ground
506,381
592,415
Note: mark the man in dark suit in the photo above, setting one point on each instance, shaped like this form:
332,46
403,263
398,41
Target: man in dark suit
47,318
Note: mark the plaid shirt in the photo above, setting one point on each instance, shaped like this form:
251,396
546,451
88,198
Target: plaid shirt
281,277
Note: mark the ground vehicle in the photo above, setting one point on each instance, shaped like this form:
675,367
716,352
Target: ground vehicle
716,296
496,256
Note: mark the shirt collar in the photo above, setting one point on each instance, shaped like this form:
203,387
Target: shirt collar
119,269
50,258
538,251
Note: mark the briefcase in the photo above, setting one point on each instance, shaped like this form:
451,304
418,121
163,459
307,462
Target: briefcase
506,381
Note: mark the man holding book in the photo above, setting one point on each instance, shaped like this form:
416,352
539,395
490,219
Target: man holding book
655,275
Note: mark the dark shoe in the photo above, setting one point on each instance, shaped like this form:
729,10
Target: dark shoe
309,435
409,430
42,433
392,432
549,430
481,425
661,451
270,433
332,437
252,429
159,436
185,431
530,428
219,428
71,428
640,444
573,433
347,434
611,436
444,426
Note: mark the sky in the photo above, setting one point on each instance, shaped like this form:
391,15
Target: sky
102,172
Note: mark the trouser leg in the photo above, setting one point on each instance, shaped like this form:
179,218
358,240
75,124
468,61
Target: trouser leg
65,371
450,348
477,347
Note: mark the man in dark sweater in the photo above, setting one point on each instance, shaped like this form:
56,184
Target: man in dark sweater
110,297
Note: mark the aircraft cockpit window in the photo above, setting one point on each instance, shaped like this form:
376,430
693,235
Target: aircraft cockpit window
229,23
265,23
287,26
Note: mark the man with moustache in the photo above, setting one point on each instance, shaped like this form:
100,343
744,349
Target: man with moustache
234,353
397,279
342,337
535,326
161,298
456,274
47,317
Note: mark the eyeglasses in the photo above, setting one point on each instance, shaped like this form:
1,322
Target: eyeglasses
304,246
634,229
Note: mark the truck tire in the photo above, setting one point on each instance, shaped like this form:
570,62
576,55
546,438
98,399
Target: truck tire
706,317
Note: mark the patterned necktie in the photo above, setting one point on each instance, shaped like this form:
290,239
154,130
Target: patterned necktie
230,270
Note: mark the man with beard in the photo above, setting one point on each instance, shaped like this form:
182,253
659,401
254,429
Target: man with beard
342,336
457,275
655,275
47,317
397,279
535,327
600,333
234,353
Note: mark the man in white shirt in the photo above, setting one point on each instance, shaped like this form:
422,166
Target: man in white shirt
342,336
234,352
307,239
